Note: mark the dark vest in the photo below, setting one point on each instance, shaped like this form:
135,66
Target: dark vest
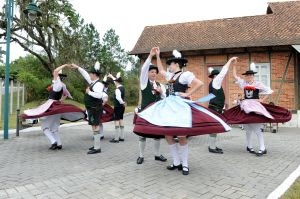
92,102
218,102
147,95
251,94
116,102
55,95
176,87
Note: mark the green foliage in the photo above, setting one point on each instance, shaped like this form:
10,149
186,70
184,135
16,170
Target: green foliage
112,56
61,36
35,86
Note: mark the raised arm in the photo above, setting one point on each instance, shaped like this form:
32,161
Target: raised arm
159,64
145,69
56,71
85,74
234,73
217,81
112,77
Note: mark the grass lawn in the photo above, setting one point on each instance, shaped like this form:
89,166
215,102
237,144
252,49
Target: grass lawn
13,117
293,192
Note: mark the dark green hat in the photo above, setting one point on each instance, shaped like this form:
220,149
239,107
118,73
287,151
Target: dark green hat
95,69
214,72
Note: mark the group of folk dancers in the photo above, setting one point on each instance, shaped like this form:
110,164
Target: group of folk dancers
164,112
95,101
176,116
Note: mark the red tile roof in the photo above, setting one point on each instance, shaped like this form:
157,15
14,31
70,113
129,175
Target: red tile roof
280,26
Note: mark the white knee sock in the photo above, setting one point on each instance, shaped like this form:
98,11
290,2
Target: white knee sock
175,154
156,143
101,130
96,140
49,135
57,138
184,151
122,134
117,132
261,141
248,139
212,141
142,145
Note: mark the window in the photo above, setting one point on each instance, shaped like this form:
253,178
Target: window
263,73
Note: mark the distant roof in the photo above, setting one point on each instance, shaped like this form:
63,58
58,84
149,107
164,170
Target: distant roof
279,26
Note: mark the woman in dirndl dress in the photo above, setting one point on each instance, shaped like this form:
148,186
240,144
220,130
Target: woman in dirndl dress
177,116
53,110
252,111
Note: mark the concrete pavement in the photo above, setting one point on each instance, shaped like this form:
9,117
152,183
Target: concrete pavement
29,170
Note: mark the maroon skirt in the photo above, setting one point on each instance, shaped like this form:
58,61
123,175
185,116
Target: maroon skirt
108,113
237,116
201,124
67,112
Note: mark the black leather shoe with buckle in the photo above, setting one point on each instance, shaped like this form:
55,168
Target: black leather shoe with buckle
94,151
173,167
250,150
216,150
260,152
160,158
140,160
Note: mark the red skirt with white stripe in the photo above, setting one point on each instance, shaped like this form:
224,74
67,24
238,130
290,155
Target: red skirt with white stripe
201,124
67,112
237,116
108,113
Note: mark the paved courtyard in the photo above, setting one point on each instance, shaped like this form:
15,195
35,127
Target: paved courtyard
29,170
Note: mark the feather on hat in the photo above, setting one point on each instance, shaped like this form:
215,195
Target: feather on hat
212,72
95,69
118,77
252,70
177,58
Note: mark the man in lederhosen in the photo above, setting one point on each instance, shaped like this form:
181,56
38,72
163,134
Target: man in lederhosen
93,102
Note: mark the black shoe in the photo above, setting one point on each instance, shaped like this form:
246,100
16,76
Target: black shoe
121,140
91,148
260,152
160,158
250,150
140,160
101,138
216,150
274,131
53,146
185,170
59,147
173,167
114,141
94,151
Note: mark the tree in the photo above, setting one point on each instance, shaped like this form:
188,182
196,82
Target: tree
45,37
60,36
112,56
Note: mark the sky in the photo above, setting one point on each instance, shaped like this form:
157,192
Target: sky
129,17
